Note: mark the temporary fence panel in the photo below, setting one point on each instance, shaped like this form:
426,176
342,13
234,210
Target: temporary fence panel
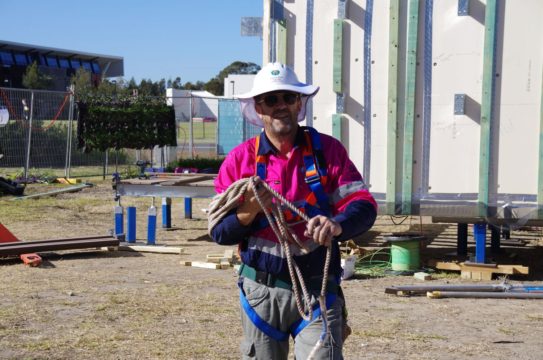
232,128
41,135
196,113
439,103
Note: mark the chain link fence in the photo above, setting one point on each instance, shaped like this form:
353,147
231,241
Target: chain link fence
40,137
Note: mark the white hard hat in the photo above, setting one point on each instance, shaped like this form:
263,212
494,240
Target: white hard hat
274,77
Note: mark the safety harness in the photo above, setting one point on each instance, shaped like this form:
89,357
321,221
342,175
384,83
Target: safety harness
315,203
316,177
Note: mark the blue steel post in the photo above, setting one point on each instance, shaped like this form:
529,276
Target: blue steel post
131,224
479,233
151,225
119,220
188,208
166,213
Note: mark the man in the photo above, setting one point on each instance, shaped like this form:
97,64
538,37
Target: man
312,171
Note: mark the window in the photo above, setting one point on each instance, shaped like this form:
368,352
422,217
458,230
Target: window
51,61
64,63
75,63
87,65
6,57
95,68
37,58
21,59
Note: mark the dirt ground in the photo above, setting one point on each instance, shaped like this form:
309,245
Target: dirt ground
89,304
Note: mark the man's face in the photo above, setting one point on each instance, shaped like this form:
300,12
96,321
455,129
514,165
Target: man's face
279,111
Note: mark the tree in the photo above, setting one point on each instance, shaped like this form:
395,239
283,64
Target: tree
33,78
82,83
216,85
199,85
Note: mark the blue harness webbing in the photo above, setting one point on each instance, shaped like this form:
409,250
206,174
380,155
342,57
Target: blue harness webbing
274,333
316,203
316,178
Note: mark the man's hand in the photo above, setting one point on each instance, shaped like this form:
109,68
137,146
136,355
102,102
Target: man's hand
322,230
250,207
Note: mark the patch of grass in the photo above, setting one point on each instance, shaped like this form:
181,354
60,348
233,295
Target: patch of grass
39,345
424,337
444,275
535,317
375,333
506,331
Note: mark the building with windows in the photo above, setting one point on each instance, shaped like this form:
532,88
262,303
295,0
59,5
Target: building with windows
60,64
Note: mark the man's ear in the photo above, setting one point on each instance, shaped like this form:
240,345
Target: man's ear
258,108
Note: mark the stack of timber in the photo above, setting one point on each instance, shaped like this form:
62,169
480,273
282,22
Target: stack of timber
215,261
478,271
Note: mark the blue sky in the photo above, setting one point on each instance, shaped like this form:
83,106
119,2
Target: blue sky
192,39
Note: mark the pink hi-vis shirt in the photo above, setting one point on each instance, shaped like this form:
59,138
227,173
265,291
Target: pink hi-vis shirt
352,204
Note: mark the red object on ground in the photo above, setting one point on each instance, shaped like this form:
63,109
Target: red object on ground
28,259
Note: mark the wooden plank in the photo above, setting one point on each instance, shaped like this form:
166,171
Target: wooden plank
186,181
337,67
487,101
201,264
392,118
153,181
409,104
217,259
476,275
54,192
153,249
497,269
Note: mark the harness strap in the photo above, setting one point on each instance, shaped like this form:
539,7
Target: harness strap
299,325
272,332
261,160
315,172
262,325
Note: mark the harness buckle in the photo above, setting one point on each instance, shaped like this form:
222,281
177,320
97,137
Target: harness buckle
313,179
263,278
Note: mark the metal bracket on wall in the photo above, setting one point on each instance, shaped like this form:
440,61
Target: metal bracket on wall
459,104
463,7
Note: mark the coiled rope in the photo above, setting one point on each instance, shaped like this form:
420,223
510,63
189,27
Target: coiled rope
227,201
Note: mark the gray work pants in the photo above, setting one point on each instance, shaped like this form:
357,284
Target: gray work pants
277,307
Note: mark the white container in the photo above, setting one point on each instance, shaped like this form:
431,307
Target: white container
347,264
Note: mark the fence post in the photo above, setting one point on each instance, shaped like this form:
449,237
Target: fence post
29,118
191,136
70,131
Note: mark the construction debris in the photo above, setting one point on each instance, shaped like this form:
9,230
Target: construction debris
422,276
55,192
152,249
19,248
483,295
350,248
68,181
215,261
477,271
477,290
28,259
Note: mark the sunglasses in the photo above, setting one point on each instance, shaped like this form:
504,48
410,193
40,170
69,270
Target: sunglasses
271,100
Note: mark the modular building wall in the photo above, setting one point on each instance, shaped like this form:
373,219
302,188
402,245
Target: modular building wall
439,102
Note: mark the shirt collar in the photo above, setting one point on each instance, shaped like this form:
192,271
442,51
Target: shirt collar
266,147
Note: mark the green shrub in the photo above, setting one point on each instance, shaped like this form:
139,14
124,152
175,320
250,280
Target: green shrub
201,164
139,123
